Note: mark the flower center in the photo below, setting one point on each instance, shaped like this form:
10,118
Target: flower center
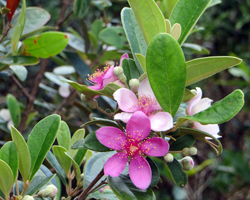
146,104
97,76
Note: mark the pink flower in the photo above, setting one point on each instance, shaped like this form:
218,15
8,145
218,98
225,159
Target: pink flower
198,104
132,146
146,102
102,77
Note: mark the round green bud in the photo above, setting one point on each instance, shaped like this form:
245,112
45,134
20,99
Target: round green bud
28,197
187,163
122,78
169,157
185,151
49,191
117,71
192,151
187,168
134,84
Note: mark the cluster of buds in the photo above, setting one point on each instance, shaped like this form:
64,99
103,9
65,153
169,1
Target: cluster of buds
189,151
118,72
187,163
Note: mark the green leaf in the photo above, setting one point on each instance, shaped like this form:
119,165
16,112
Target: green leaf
182,142
91,142
149,18
40,141
6,178
155,172
214,2
108,90
166,69
130,70
81,8
20,71
142,60
101,121
202,68
62,159
188,95
114,36
76,42
63,135
104,194
78,144
36,17
178,175
9,154
80,156
124,189
19,60
54,163
187,14
134,36
78,135
18,29
196,49
14,108
23,153
97,28
219,112
75,168
45,45
101,4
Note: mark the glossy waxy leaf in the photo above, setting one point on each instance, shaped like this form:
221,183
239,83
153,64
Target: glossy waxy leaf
187,14
23,153
130,70
134,36
9,154
63,136
78,135
62,159
18,29
91,142
19,60
114,36
202,68
219,112
178,175
81,8
182,142
166,70
41,139
123,188
14,108
36,17
20,71
108,90
45,45
149,18
6,178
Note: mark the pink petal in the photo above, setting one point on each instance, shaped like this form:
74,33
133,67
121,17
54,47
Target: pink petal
126,99
161,121
124,56
111,137
155,147
115,164
140,172
203,104
145,89
194,101
109,73
138,126
123,116
212,129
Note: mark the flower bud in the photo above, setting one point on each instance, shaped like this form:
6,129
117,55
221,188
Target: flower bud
188,124
49,191
134,84
185,151
187,163
192,151
92,103
122,78
169,157
117,71
28,197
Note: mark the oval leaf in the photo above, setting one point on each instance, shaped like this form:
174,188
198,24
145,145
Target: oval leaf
63,135
20,71
166,69
75,168
14,108
78,135
81,8
6,178
45,45
19,60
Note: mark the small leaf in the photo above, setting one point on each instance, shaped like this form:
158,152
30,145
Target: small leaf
45,45
63,135
182,142
19,60
176,31
23,152
91,142
114,36
178,175
75,168
130,70
18,29
62,159
64,70
81,8
6,178
195,49
40,141
14,108
202,68
78,135
124,189
20,71
166,70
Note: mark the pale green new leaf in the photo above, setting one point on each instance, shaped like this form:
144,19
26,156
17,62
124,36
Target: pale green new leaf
6,178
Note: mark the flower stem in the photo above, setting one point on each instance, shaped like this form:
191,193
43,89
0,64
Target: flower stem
104,112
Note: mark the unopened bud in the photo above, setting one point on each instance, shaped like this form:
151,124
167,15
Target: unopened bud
185,151
122,78
188,124
192,151
169,157
117,71
92,103
28,197
187,163
49,191
134,84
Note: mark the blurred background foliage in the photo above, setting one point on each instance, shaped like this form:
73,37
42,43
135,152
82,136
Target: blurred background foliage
223,29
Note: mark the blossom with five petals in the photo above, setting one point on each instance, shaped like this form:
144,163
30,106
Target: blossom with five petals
146,102
102,77
132,146
198,104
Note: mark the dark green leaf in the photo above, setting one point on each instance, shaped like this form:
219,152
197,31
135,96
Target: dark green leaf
101,121
80,156
182,142
14,108
20,60
81,8
91,142
130,70
155,172
166,70
78,144
178,175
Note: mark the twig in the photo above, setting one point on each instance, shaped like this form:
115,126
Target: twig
102,183
17,189
104,112
5,33
61,18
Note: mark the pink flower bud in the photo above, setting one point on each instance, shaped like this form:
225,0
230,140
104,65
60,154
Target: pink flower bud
49,191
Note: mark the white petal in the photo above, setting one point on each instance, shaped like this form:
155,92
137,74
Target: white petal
161,121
